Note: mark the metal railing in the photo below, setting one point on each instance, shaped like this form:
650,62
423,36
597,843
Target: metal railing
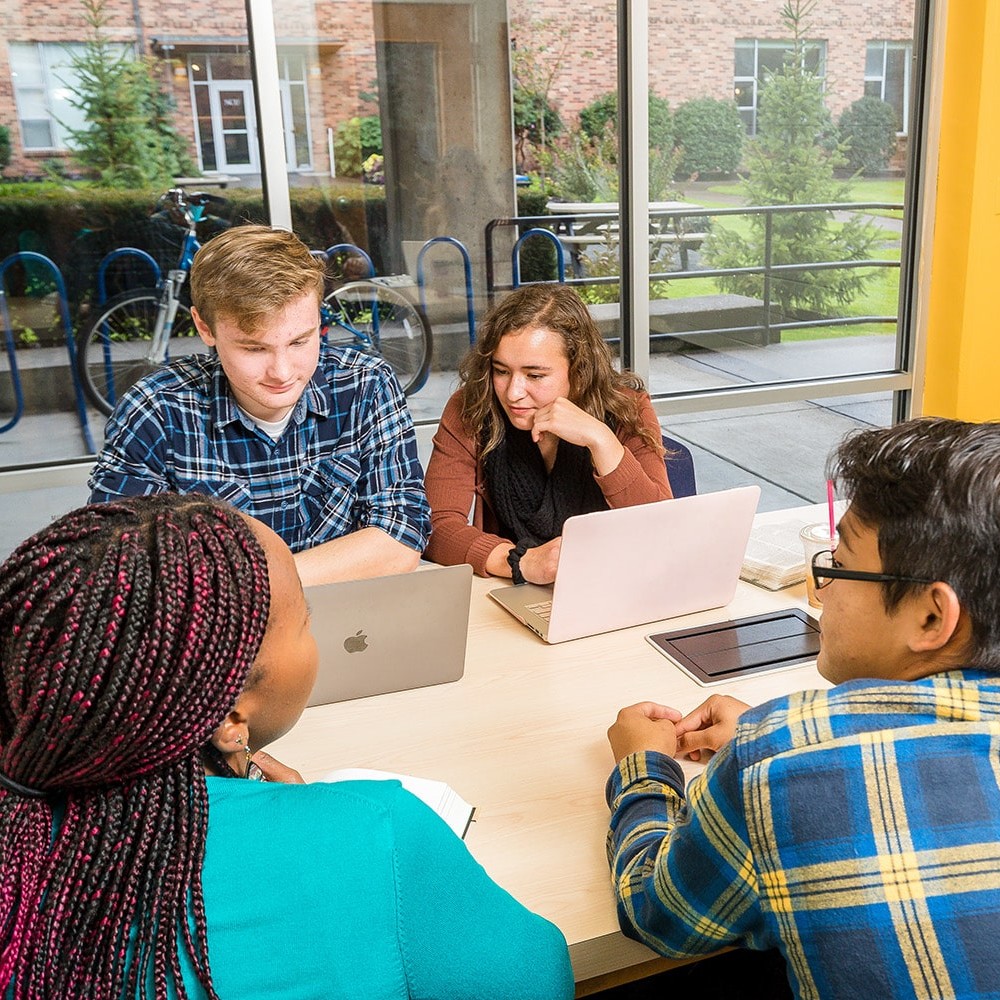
541,225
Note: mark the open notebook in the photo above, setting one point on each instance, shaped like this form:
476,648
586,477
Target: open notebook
441,797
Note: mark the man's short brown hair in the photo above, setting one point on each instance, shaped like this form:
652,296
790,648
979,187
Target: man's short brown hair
249,273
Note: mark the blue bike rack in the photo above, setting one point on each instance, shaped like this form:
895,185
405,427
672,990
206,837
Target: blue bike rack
515,255
29,256
102,294
470,311
102,297
15,375
351,248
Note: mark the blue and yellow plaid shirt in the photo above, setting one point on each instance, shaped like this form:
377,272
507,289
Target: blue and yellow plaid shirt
347,459
857,830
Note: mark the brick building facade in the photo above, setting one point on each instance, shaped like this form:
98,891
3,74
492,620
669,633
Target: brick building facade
692,44
328,58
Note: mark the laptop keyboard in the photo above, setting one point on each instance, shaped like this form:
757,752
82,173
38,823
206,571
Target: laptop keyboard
541,608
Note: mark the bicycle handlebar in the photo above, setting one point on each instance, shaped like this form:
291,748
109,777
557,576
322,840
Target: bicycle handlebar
183,202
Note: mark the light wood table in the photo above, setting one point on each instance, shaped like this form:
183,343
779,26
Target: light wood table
523,737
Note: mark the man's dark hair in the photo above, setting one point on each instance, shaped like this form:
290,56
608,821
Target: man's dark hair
930,488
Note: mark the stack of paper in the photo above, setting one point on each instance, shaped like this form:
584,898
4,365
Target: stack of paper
441,797
774,557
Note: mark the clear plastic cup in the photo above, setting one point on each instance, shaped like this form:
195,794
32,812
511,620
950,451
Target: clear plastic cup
815,538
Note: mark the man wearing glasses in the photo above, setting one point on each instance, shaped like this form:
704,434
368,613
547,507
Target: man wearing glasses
855,830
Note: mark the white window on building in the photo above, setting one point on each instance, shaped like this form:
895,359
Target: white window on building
887,76
295,110
44,81
756,59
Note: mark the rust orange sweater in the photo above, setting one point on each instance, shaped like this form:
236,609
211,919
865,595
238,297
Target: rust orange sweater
455,487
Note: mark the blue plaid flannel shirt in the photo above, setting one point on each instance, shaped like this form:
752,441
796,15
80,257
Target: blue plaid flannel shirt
856,830
347,460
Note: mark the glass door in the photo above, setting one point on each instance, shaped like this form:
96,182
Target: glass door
233,118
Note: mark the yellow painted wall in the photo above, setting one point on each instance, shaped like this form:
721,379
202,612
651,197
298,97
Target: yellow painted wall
963,341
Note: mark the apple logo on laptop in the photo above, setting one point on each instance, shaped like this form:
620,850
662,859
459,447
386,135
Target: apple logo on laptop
356,643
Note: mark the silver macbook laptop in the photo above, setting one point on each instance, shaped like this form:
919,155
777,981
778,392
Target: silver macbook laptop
390,633
634,565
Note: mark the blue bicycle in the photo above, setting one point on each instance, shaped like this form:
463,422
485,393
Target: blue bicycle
136,331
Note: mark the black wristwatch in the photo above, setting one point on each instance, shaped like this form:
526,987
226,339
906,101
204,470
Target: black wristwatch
514,561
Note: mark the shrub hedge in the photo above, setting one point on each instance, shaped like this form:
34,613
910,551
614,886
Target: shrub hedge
868,134
76,228
710,135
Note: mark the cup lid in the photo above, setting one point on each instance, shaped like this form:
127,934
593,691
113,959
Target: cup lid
819,532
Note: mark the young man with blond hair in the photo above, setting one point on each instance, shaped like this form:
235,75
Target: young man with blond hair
314,441
856,830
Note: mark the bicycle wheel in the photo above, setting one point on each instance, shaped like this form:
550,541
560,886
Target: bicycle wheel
113,350
383,322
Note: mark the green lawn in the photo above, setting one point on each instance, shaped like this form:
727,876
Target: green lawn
886,189
878,298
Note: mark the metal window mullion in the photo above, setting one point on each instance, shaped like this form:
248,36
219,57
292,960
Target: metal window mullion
267,100
633,140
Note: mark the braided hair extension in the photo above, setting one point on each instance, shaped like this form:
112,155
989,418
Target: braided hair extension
127,631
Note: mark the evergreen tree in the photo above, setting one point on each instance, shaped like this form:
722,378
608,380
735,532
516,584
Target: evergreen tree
128,139
792,162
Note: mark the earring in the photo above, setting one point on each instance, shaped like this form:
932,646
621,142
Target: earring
248,767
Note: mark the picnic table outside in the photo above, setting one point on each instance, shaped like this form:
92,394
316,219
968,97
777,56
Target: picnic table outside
596,223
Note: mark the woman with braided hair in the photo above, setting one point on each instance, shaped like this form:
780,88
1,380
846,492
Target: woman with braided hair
146,646
543,427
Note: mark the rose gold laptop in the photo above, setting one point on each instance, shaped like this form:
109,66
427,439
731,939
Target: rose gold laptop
390,633
634,565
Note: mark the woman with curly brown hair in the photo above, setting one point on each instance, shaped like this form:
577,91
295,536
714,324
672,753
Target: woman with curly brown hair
542,428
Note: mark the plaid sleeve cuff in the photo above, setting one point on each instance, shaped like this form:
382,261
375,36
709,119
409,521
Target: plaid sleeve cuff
647,765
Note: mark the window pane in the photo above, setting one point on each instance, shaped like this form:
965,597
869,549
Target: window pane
37,134
733,300
25,65
206,135
413,102
77,224
769,60
227,66
300,124
874,59
897,63
745,58
781,448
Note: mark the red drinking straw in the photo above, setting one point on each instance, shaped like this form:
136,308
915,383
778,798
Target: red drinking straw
829,504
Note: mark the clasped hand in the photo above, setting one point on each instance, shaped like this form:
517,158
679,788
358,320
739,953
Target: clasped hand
650,726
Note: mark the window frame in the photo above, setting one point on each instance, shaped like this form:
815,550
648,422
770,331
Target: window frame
756,82
49,67
887,46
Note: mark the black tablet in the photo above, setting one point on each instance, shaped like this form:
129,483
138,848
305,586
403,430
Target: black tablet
725,651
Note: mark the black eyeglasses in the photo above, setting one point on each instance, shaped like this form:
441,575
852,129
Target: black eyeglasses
826,569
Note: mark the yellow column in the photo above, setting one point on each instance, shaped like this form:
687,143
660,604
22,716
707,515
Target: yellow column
963,341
